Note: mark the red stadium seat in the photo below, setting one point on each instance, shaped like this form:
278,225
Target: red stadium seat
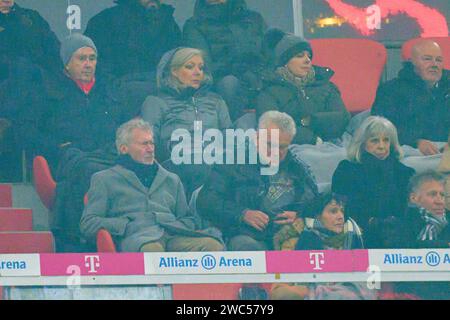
26,242
16,219
105,242
444,43
5,195
210,291
44,183
358,65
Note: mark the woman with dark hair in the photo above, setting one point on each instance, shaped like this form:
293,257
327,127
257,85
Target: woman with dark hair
184,101
303,91
326,228
374,181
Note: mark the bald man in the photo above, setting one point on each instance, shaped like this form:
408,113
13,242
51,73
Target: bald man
418,100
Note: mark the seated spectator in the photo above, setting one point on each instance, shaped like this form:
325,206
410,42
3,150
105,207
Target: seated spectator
304,92
250,208
417,101
185,101
373,179
24,34
72,123
328,228
231,36
426,220
133,36
140,203
27,46
425,225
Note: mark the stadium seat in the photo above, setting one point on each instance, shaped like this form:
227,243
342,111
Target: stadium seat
105,242
444,43
44,183
358,65
5,195
210,291
16,219
27,242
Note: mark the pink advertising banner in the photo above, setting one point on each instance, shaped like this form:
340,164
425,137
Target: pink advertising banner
317,261
92,264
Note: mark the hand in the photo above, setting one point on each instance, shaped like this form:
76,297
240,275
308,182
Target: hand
256,219
287,217
427,147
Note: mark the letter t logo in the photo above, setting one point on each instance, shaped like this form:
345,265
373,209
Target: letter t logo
316,259
92,262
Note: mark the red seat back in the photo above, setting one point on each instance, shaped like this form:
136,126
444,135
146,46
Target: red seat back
210,291
444,43
5,195
358,65
16,219
43,181
105,242
26,242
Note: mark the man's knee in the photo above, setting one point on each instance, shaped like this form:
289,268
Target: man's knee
246,243
185,244
152,247
209,244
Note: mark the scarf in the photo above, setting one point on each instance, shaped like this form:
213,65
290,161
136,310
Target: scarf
298,82
344,240
85,87
433,225
146,173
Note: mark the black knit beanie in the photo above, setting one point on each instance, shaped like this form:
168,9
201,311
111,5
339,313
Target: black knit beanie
289,46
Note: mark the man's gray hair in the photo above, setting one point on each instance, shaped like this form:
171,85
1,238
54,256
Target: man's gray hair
371,127
124,132
416,182
178,60
281,119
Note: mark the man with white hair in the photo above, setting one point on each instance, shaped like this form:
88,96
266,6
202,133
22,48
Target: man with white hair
71,119
140,203
249,207
418,100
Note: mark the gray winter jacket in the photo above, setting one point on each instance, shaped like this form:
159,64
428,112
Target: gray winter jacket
172,110
132,213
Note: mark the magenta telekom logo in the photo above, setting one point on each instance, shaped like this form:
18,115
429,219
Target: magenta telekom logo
92,263
317,259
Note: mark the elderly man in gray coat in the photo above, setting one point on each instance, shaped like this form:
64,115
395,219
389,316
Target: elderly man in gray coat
141,204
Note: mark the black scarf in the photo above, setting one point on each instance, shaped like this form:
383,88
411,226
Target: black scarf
145,172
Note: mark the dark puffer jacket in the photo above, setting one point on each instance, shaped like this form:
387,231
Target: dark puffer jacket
231,189
229,34
172,110
417,111
25,34
321,100
131,39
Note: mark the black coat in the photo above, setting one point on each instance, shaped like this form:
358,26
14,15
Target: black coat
56,111
417,111
131,39
229,34
231,189
321,100
25,34
374,188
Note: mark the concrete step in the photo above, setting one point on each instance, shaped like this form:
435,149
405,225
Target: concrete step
5,195
12,219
